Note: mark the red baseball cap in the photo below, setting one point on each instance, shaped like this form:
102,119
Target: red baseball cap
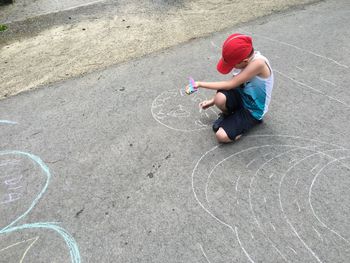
235,49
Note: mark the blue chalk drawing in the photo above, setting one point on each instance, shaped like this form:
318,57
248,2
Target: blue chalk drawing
69,240
46,170
8,122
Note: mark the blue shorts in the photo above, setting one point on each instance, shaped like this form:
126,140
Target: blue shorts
239,120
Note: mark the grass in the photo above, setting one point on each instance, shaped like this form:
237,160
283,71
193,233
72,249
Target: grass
3,27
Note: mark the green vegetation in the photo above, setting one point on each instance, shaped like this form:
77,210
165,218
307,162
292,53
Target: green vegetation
6,2
3,27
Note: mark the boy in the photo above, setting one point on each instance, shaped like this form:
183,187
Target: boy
243,99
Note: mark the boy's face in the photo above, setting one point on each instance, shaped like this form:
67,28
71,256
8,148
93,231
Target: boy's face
242,64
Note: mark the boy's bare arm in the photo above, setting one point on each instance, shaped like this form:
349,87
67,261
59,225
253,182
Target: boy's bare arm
254,68
206,104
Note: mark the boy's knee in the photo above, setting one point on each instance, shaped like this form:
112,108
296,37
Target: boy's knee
220,100
221,136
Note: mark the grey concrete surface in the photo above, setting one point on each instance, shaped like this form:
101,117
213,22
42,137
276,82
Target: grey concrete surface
118,166
24,9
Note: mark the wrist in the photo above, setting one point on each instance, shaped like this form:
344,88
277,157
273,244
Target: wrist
197,83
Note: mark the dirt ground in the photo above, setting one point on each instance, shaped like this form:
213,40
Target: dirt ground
57,50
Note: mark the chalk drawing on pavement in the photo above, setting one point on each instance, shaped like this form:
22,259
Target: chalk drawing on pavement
13,177
298,81
204,254
26,244
68,238
180,112
16,167
7,122
289,229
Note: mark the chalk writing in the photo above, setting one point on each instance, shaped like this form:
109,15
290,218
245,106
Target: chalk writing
11,197
12,183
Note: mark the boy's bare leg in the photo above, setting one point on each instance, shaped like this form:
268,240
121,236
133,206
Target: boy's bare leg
220,102
221,136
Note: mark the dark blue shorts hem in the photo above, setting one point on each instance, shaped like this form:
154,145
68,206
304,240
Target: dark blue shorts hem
239,119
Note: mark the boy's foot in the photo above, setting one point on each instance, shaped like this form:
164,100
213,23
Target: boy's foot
217,123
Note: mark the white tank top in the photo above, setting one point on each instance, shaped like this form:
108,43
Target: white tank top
256,93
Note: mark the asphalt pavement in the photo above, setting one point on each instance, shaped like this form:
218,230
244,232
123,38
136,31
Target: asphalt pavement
121,166
24,9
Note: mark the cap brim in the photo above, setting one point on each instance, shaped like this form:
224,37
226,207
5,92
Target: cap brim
223,67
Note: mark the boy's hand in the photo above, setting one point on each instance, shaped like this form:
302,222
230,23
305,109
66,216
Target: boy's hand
206,104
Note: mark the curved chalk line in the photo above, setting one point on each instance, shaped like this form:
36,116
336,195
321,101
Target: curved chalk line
219,220
296,137
286,217
298,148
203,252
27,249
257,172
205,209
310,193
265,135
239,241
69,240
312,53
250,201
281,205
296,47
248,149
71,243
309,87
44,168
232,155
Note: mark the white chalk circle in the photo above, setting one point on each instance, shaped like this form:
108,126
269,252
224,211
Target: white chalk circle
178,111
288,191
329,197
